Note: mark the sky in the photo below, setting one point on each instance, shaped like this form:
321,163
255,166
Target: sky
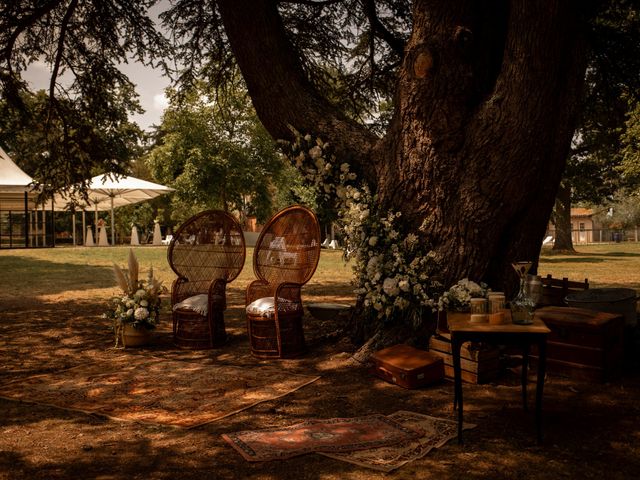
150,85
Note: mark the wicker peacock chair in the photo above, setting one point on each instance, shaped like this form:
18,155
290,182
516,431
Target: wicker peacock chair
284,259
206,252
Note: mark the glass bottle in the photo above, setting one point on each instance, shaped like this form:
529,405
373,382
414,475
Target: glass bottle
522,306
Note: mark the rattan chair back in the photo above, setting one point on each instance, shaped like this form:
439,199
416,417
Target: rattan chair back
288,248
209,245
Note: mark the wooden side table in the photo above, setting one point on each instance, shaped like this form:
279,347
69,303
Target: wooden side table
507,334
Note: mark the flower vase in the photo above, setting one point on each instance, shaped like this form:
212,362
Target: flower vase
134,337
522,306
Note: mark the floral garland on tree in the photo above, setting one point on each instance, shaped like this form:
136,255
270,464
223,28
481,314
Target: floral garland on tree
392,270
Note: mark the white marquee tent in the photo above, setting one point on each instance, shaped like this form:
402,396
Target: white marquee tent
14,183
18,196
107,192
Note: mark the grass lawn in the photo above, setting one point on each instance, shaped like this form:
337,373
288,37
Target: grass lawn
83,272
86,272
611,265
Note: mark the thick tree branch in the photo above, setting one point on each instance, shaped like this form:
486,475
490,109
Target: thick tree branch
282,94
319,3
379,30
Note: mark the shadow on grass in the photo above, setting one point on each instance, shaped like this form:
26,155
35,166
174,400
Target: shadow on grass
41,276
577,259
563,256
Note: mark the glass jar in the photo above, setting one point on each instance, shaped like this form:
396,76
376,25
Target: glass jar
522,306
534,288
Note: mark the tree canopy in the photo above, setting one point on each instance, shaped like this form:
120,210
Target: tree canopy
456,180
215,156
595,169
80,127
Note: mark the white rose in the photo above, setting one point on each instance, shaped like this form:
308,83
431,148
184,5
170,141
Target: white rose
315,152
373,241
141,313
390,287
404,285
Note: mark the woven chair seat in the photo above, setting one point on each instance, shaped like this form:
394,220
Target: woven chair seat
198,303
264,307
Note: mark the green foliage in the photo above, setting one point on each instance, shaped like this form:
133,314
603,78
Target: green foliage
80,126
612,86
62,145
216,154
623,211
350,49
630,166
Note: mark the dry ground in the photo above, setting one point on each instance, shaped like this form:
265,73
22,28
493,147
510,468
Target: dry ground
591,430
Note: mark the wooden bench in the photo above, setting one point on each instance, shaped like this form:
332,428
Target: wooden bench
555,290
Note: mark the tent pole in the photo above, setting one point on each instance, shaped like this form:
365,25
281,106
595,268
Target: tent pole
44,225
84,227
26,220
73,227
53,225
113,232
95,223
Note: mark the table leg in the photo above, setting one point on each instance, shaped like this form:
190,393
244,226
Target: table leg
542,366
525,366
457,377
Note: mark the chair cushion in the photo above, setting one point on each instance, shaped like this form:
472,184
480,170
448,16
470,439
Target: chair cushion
198,303
264,307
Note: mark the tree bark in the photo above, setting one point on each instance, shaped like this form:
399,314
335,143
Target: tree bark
562,216
484,113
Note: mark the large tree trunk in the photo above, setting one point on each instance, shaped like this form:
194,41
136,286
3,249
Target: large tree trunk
484,114
562,216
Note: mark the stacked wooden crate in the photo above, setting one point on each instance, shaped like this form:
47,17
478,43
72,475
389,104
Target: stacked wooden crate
479,362
583,344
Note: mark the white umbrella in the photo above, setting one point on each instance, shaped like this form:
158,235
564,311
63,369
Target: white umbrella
106,192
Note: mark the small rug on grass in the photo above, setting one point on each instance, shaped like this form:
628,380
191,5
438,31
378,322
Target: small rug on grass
437,432
331,435
168,392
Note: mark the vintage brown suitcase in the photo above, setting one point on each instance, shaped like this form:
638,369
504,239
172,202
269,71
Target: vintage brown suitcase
407,366
583,344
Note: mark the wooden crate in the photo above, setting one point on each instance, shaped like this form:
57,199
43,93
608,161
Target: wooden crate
479,362
583,344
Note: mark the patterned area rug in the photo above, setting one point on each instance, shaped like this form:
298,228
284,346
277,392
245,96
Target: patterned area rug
331,435
437,432
168,392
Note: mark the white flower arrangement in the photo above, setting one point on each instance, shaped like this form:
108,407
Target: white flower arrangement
458,297
140,304
392,271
